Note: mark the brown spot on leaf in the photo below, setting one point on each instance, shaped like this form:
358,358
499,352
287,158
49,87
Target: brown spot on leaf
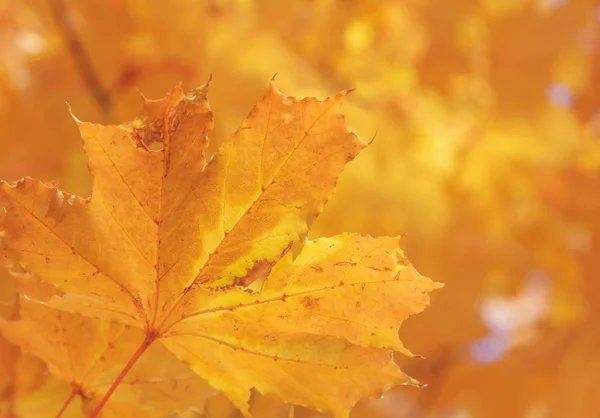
259,271
309,301
345,263
287,249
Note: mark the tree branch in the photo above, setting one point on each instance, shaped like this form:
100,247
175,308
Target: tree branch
83,63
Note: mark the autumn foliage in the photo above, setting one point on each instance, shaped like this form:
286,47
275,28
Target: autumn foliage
208,261
481,118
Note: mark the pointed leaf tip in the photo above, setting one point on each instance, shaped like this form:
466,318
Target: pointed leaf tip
75,118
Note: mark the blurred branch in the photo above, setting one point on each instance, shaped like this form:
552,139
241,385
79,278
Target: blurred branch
83,63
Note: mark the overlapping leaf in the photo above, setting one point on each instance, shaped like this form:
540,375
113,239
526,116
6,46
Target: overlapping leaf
86,354
25,388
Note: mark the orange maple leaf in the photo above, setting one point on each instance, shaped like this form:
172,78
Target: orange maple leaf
211,258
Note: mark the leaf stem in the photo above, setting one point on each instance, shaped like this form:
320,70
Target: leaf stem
150,338
74,392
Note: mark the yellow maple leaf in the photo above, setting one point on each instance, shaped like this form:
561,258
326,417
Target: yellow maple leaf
210,257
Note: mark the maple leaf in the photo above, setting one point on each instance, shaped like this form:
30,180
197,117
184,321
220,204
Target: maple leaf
210,258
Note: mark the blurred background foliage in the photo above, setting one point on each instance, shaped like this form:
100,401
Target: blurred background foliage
486,118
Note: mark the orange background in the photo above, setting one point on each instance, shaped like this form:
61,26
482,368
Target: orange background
486,118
